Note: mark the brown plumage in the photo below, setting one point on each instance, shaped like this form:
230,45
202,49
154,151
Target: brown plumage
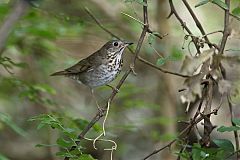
100,68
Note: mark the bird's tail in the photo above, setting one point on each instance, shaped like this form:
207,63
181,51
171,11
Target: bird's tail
60,73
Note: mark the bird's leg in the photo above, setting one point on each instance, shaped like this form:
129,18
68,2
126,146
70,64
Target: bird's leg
100,109
113,88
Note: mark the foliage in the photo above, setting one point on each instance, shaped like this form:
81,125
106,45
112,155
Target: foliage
68,128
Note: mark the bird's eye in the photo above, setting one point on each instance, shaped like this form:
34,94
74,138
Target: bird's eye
115,44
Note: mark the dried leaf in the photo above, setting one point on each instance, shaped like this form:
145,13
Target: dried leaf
224,86
190,65
193,87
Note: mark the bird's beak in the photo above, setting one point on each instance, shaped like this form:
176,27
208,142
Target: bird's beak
128,43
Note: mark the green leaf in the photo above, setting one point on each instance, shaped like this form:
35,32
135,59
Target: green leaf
236,121
48,120
176,54
45,145
228,129
224,144
161,61
202,3
64,154
236,11
64,143
86,157
2,157
151,39
44,88
220,4
6,119
197,152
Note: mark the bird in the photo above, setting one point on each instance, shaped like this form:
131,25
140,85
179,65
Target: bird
100,68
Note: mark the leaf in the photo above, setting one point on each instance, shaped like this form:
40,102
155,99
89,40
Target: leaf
64,143
48,120
228,129
86,157
220,4
6,119
190,65
45,145
161,61
224,86
202,3
176,54
151,39
44,88
64,154
2,157
224,144
192,86
236,11
236,121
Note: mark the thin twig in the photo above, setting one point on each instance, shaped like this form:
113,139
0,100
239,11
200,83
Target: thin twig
133,18
226,31
181,134
183,24
197,22
139,58
161,69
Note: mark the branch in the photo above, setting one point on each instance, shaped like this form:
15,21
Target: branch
183,24
138,57
182,133
19,9
97,117
197,22
226,31
161,69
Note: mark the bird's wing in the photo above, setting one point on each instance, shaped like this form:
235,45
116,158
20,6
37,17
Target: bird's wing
82,66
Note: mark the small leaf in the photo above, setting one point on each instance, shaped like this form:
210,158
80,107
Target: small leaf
161,61
191,64
151,39
64,143
228,129
2,157
44,88
224,86
45,145
224,144
220,4
86,157
64,154
202,3
176,54
236,121
236,11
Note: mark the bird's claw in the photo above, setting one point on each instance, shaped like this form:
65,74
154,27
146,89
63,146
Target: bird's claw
113,88
101,111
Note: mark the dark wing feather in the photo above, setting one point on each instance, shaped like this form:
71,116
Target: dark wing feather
80,67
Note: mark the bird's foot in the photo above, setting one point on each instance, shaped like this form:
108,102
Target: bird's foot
101,111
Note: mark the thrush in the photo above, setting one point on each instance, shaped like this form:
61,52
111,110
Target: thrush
100,68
